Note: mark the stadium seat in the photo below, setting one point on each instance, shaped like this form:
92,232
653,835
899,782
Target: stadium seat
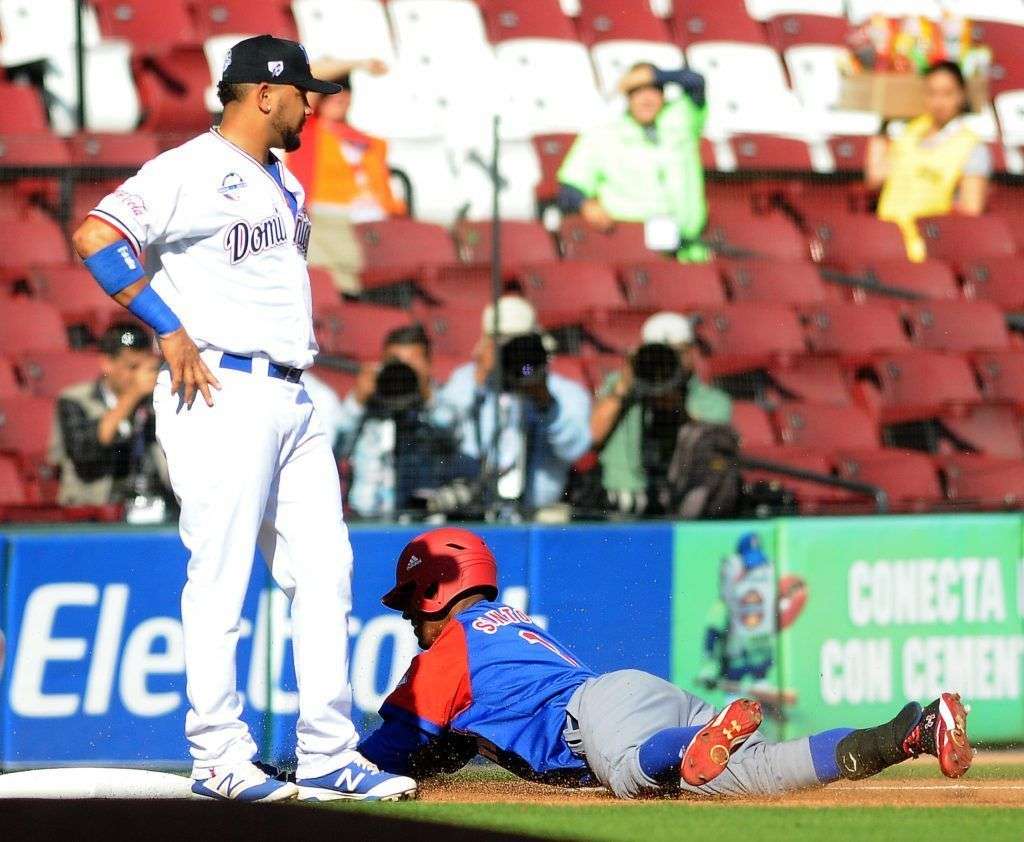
32,242
613,59
459,286
752,424
860,10
112,101
340,382
991,430
791,29
747,336
147,26
48,373
617,335
569,367
714,20
357,329
765,10
810,496
172,90
33,29
957,326
12,488
356,29
849,240
520,173
227,17
323,293
854,331
625,243
669,285
909,479
817,81
918,385
983,481
849,152
522,243
815,379
27,325
402,249
77,297
23,112
931,278
453,330
611,20
25,425
1002,376
567,293
825,427
598,367
9,385
748,235
1006,202
999,280
551,150
115,150
427,23
33,150
427,164
958,238
770,152
510,19
1004,39
778,281
25,138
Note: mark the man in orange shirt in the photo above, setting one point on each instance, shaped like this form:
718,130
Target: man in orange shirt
344,173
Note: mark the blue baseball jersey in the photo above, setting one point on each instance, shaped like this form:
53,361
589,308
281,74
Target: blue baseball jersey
493,683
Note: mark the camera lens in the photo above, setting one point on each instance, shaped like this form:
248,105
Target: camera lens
656,370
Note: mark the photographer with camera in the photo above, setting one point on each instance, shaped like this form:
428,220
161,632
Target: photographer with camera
386,427
640,410
542,417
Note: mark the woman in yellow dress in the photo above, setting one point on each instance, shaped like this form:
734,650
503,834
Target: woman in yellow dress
937,166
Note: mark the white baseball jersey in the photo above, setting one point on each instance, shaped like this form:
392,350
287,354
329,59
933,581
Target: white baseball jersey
223,247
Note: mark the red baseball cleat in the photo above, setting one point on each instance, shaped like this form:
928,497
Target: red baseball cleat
942,732
708,753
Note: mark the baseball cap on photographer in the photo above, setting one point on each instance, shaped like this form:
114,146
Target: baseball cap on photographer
277,61
667,328
516,317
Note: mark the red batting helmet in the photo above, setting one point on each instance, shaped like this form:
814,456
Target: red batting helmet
437,567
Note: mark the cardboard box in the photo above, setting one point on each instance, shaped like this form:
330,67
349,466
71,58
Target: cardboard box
899,96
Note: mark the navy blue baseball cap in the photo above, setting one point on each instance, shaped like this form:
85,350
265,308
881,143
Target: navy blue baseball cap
277,61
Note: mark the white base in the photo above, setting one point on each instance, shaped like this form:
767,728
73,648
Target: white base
95,783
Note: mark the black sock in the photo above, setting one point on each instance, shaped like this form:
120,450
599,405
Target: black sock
867,751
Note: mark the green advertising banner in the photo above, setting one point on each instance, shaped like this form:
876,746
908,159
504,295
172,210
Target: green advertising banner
835,622
903,608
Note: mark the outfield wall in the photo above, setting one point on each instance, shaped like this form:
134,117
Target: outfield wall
895,607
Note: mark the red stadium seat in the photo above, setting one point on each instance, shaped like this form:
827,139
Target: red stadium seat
752,424
909,479
77,297
789,30
1002,376
918,385
402,249
983,481
612,20
810,495
25,425
461,286
778,281
1004,39
28,325
551,150
32,242
507,19
670,285
9,385
769,235
714,20
854,331
623,244
991,430
48,373
341,382
323,292
996,279
356,329
959,238
845,240
849,152
172,90
567,293
814,379
120,150
453,331
931,278
957,326
747,336
229,17
522,243
599,366
442,366
617,335
148,26
12,488
1008,202
825,427
770,152
571,368
23,111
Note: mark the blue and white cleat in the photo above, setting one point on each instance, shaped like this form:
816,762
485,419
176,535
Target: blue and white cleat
357,780
243,782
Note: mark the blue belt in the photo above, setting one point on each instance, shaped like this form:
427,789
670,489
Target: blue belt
237,362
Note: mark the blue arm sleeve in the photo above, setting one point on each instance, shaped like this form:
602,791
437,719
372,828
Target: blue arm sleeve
691,82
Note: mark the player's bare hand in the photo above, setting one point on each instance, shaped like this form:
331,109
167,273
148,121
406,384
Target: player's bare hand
374,66
188,371
638,77
596,216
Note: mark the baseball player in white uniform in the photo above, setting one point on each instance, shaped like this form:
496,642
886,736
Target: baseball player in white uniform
207,244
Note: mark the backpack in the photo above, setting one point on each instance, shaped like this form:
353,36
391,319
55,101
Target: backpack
703,479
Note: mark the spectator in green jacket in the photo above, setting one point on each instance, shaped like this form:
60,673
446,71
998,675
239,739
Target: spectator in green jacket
646,164
631,433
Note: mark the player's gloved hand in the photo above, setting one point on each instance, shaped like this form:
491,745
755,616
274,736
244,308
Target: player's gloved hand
188,371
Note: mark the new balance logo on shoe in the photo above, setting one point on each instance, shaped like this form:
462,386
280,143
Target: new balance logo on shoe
228,784
348,781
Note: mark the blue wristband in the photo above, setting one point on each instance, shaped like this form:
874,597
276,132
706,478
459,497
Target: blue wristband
153,310
115,267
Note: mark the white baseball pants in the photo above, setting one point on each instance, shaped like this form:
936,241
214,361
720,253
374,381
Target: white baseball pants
256,468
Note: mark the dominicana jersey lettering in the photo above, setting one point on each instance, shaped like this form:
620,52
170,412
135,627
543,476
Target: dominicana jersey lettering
224,238
494,682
